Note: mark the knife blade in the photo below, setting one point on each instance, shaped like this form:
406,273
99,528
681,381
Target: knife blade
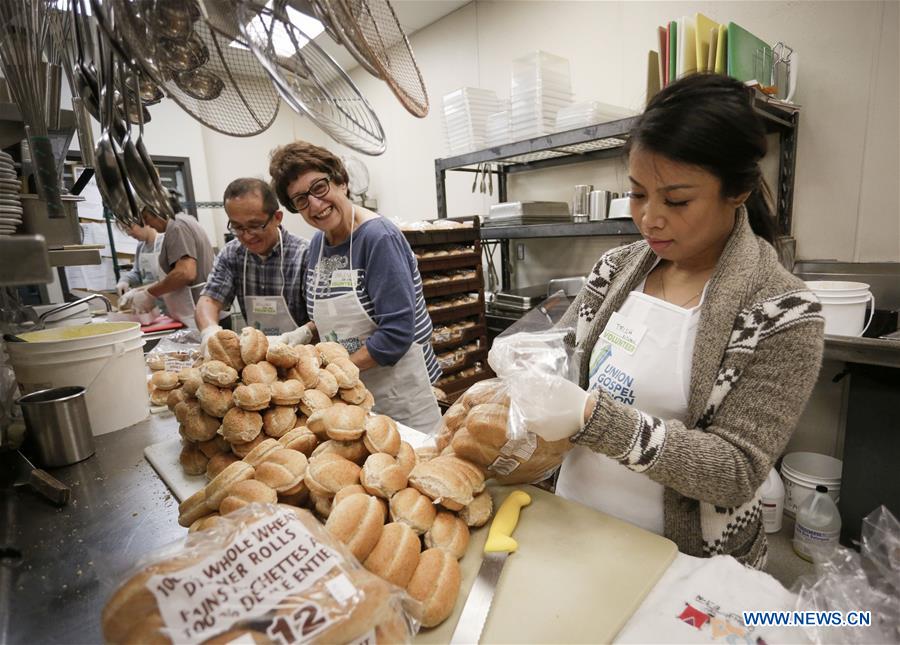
497,548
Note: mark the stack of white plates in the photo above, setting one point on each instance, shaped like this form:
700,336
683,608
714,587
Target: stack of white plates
10,204
580,115
540,88
465,114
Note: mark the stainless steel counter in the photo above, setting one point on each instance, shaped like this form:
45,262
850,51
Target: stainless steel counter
58,566
867,351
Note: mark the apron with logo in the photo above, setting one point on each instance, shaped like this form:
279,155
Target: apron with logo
402,391
643,359
149,263
269,314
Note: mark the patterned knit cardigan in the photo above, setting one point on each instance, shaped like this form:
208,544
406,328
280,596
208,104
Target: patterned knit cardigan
756,359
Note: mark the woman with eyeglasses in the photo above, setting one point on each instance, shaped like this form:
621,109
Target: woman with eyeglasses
362,286
260,267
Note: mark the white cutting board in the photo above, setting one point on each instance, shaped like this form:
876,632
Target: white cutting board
577,576
164,456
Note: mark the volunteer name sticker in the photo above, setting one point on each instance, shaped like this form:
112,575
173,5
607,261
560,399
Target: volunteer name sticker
623,333
265,305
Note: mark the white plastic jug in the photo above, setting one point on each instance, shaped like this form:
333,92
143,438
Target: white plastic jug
818,525
772,494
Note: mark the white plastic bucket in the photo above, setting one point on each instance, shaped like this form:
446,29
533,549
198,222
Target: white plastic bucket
844,306
105,358
801,472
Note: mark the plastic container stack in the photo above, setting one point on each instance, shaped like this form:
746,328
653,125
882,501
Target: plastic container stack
585,113
496,130
541,86
465,114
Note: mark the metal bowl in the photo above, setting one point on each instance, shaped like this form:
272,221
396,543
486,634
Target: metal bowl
173,19
183,55
199,84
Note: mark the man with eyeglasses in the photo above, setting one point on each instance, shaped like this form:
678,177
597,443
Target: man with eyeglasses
261,266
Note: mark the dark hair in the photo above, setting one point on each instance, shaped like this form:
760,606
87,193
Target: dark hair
251,185
292,160
707,120
174,201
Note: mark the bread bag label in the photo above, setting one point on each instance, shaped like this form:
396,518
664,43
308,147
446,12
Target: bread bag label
261,565
521,447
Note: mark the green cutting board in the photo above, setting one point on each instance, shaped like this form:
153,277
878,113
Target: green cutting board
742,47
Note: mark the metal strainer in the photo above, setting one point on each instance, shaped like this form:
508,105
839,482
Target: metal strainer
309,79
373,27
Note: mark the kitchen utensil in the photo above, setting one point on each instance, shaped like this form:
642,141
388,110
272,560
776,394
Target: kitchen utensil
84,75
598,204
373,27
39,480
174,19
156,197
309,79
497,548
183,55
580,199
58,423
322,10
620,208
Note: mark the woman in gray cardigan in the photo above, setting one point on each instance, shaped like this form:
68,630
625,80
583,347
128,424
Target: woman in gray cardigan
698,349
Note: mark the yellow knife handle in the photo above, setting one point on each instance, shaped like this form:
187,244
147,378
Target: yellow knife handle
499,536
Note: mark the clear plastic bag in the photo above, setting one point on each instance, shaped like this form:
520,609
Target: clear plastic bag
263,574
848,581
486,424
175,352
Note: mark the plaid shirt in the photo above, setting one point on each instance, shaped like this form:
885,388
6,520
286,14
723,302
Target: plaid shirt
226,281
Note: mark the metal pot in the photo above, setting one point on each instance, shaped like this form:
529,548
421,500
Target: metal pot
57,420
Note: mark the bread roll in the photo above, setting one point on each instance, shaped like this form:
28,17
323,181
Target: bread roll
245,492
347,491
357,522
300,439
225,346
281,355
193,508
197,425
443,483
158,397
345,371
241,426
327,384
396,554
218,463
286,392
164,380
204,523
330,351
156,361
262,372
328,473
214,446
483,453
414,509
368,402
218,373
354,395
190,379
474,474
217,489
307,369
174,397
313,401
435,584
299,498
279,420
322,504
448,532
282,469
253,397
489,391
215,401
355,451
426,453
339,421
262,450
382,435
254,345
479,511
244,448
192,459
382,476
406,457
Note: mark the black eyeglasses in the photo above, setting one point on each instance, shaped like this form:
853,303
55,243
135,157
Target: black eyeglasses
252,228
319,188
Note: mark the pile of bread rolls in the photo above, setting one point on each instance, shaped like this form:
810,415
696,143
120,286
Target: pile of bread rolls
367,609
475,429
405,518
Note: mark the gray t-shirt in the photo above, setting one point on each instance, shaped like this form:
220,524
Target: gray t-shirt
185,237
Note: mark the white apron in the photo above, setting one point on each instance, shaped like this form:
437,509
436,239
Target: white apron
180,303
643,359
269,314
401,391
149,263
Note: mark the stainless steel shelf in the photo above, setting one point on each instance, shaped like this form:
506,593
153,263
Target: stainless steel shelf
73,257
568,229
866,351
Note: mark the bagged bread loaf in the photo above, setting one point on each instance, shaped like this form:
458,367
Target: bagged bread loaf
264,573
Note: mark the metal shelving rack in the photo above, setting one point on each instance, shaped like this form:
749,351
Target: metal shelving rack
600,141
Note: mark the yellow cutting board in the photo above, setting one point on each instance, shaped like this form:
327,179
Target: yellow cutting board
577,576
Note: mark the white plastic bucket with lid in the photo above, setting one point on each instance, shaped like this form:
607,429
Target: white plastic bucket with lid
105,358
844,306
803,471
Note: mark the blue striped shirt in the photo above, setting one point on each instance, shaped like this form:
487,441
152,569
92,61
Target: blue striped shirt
388,286
226,281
